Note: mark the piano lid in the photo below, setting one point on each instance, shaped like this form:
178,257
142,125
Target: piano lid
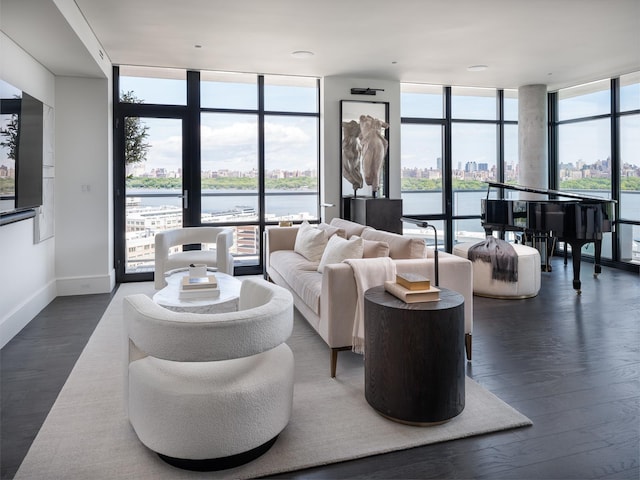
544,191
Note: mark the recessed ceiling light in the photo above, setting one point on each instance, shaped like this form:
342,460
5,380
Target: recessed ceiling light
302,54
477,68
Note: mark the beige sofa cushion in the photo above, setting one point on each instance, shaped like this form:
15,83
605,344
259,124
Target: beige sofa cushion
350,228
301,276
330,230
339,249
400,246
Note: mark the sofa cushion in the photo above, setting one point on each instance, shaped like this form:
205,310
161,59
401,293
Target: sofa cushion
375,249
350,228
310,242
339,249
330,230
400,246
301,275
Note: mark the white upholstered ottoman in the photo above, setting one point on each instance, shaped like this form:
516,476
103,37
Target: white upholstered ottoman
528,284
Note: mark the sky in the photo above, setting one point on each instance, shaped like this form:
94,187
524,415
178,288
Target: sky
229,141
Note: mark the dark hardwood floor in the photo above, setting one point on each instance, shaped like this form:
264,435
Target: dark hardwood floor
34,366
570,363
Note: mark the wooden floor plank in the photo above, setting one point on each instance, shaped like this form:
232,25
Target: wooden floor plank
34,366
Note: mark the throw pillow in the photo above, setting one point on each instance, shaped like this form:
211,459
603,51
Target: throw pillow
350,228
375,249
310,242
400,246
339,249
330,231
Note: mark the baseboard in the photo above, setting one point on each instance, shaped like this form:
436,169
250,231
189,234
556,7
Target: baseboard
11,325
25,312
86,285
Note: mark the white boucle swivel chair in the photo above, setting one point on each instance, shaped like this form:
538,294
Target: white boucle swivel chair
166,260
210,391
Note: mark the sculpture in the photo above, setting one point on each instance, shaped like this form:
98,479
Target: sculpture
374,148
351,154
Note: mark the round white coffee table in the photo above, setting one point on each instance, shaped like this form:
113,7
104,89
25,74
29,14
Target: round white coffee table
227,301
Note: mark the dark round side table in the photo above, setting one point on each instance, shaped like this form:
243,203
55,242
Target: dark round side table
414,357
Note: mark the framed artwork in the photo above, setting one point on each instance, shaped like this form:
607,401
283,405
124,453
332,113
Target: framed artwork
364,149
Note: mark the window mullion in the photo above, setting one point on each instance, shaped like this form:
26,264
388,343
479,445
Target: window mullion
261,155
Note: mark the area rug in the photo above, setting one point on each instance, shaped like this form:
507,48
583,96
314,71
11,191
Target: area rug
87,435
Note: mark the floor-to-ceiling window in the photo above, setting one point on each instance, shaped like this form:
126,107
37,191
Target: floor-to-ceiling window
454,140
211,148
423,152
628,128
597,143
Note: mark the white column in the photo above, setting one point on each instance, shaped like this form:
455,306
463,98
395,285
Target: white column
532,136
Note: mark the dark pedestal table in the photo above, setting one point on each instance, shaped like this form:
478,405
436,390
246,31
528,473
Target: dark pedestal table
414,357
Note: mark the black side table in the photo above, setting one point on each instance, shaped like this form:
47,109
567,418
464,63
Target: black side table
414,357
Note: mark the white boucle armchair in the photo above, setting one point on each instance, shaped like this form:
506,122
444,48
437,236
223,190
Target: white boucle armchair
218,257
210,391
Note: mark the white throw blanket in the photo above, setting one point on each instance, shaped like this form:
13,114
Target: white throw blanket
368,272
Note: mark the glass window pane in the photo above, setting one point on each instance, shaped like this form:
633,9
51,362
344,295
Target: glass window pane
167,86
291,168
427,234
474,162
421,169
153,186
246,245
584,100
229,167
584,161
290,94
629,238
630,167
473,103
229,90
511,105
468,230
630,92
421,101
511,166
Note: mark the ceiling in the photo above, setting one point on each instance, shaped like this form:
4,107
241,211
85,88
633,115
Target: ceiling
554,42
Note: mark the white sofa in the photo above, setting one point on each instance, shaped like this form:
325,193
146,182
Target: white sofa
328,300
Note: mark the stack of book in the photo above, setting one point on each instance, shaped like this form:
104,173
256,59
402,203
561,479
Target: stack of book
199,287
412,288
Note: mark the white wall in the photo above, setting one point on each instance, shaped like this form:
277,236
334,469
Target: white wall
83,209
333,90
27,272
20,69
78,259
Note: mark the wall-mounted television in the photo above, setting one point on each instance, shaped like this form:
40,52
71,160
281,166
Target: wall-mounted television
21,150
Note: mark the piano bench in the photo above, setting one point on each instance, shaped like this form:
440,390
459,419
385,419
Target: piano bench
527,286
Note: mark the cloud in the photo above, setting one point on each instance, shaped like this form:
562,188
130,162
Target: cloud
290,144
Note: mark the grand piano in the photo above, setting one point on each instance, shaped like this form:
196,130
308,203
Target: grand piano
575,220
